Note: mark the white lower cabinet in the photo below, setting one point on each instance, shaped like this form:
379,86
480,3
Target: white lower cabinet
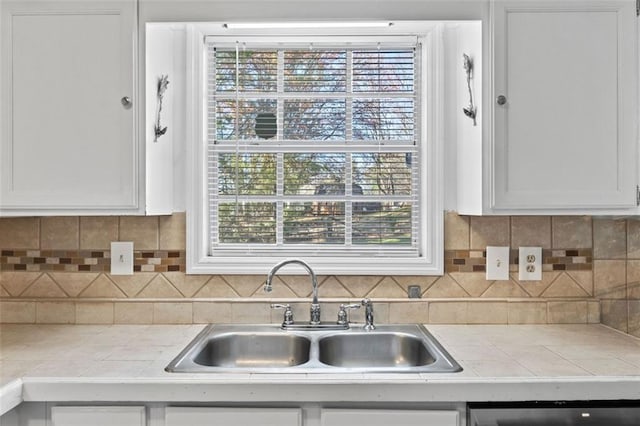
350,417
163,414
98,416
213,416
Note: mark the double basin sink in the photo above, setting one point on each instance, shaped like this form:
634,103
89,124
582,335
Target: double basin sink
269,349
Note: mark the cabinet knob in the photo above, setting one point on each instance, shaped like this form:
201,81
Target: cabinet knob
501,100
126,101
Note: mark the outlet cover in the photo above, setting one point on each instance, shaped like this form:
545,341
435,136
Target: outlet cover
530,264
497,263
415,292
122,258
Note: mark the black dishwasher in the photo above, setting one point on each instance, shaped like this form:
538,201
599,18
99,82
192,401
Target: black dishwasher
560,413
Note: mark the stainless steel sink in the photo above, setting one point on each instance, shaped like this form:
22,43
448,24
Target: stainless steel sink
254,350
367,349
269,349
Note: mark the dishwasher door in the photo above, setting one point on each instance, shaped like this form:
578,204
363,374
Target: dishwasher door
555,414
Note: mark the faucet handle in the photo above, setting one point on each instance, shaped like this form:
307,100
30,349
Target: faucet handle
288,313
351,306
343,317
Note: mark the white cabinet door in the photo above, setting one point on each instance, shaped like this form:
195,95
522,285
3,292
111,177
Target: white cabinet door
346,417
98,416
565,136
211,416
68,141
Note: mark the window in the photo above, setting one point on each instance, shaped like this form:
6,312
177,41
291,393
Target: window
314,147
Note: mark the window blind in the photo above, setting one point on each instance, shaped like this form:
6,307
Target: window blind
313,148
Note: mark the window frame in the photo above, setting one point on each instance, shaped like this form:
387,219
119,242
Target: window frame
431,244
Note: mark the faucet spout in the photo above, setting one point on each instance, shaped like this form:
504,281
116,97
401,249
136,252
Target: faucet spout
315,306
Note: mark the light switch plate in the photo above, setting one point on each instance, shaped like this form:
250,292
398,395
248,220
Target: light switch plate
497,263
530,263
122,258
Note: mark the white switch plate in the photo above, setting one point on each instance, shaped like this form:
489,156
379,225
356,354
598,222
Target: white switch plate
122,258
497,263
530,263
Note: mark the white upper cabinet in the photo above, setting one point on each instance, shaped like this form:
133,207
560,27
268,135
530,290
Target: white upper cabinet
68,137
564,104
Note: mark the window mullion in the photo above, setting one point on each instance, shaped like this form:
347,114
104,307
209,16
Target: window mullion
280,156
348,208
349,100
213,157
280,97
418,205
280,199
214,170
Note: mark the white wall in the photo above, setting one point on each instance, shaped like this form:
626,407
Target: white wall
165,163
468,137
216,10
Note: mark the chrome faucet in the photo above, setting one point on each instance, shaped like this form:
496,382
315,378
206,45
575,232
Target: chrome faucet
315,306
368,314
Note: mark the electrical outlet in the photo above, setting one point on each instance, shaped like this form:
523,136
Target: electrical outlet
497,263
122,258
415,292
530,263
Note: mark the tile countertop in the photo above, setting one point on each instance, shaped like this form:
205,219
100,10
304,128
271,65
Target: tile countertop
501,362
